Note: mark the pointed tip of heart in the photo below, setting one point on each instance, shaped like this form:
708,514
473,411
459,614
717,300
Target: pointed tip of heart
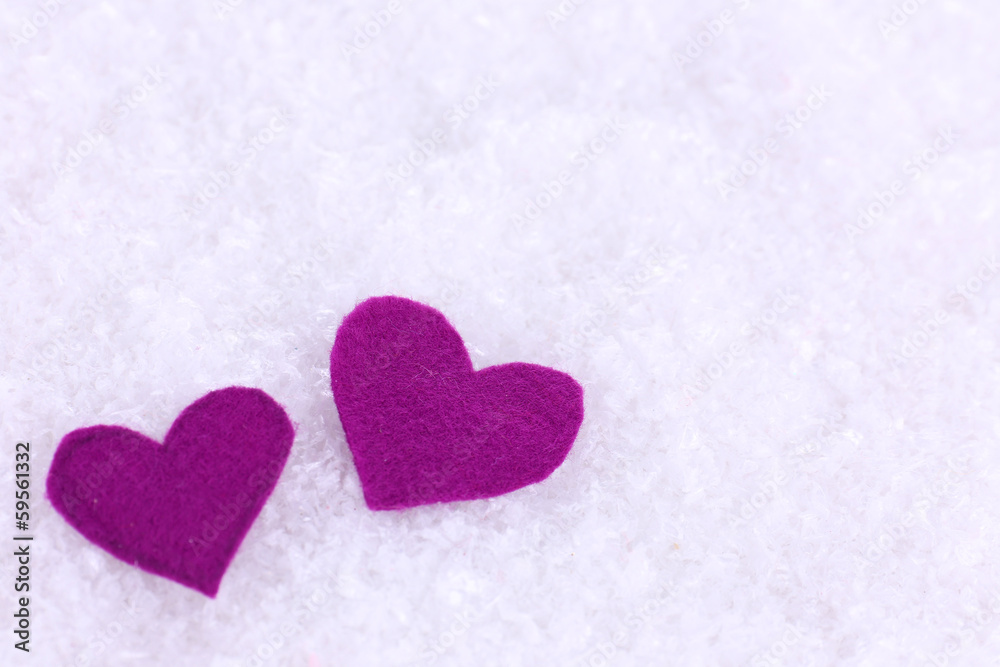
209,588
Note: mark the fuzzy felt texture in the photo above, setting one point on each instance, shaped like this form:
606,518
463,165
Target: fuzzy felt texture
180,509
425,427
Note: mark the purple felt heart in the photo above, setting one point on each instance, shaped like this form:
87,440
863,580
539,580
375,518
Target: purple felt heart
425,427
180,509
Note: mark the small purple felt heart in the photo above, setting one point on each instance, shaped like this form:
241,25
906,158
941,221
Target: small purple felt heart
425,427
180,509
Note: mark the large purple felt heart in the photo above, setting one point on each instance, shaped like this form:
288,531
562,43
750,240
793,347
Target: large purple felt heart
425,427
180,509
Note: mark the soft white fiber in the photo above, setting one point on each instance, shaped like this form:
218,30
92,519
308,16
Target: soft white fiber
791,451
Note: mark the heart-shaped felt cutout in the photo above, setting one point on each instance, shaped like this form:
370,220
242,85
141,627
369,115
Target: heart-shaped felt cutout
425,427
180,509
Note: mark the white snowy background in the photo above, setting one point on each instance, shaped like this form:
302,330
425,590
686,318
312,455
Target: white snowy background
790,451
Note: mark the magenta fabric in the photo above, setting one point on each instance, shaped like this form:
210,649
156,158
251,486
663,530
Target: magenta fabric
180,509
425,427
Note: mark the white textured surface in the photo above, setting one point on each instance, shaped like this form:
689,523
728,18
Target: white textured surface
819,501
